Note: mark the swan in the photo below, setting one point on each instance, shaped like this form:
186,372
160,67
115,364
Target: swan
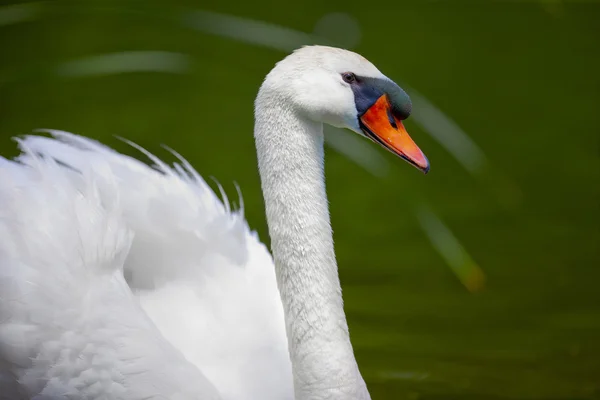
124,281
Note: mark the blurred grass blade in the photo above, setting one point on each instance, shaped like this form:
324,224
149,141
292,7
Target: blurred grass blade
340,28
131,61
358,150
251,31
443,129
16,13
448,246
458,143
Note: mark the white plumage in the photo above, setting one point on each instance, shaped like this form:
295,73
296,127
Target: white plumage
192,264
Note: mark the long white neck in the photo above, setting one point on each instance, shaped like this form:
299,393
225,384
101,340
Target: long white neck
290,159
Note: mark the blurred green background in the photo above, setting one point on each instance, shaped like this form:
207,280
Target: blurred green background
477,281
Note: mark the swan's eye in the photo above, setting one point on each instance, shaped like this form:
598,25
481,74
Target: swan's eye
349,77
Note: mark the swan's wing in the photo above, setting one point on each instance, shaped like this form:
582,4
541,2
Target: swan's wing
70,326
203,278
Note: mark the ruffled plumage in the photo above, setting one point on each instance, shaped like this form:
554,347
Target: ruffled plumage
124,281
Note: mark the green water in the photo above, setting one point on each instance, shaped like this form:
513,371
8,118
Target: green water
521,78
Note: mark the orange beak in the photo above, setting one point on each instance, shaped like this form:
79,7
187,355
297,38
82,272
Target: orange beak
382,126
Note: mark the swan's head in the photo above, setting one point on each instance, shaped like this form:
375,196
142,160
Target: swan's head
343,89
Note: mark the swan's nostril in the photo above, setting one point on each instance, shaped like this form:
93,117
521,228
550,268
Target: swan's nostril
391,119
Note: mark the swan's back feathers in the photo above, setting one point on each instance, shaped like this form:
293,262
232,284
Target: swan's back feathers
169,208
69,324
196,269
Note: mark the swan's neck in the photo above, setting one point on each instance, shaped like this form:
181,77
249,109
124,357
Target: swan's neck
290,158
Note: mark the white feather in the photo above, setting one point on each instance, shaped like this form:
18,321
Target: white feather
195,268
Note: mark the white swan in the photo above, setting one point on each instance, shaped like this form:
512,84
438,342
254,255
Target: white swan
119,281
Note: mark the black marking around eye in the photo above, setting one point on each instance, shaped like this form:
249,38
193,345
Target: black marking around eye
365,95
368,90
